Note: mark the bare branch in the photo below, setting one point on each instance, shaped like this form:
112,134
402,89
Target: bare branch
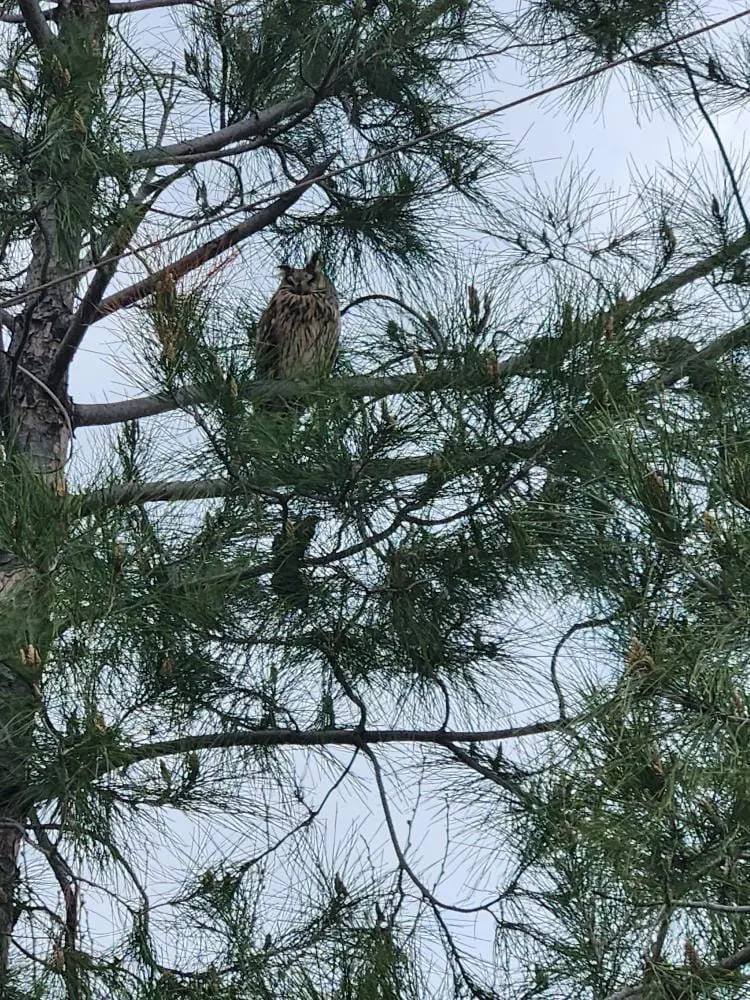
136,5
113,9
97,414
257,124
265,217
707,904
35,21
327,737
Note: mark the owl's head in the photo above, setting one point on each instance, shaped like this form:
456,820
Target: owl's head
304,280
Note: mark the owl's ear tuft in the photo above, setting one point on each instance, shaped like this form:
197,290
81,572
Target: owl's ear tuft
314,264
284,270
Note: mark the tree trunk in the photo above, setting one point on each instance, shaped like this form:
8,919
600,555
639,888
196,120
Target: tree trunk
36,422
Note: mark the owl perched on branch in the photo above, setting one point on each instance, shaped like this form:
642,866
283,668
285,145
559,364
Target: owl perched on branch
298,334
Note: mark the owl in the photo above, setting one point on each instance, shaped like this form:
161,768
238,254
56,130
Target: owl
298,334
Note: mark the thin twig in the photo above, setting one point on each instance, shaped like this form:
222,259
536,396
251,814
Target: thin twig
579,626
715,133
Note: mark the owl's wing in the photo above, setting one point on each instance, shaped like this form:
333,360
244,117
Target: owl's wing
267,343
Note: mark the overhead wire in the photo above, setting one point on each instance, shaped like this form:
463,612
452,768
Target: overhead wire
403,147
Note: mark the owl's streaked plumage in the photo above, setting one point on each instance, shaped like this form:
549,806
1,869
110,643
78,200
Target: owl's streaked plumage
298,334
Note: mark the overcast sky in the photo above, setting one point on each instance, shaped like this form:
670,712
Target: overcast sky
614,143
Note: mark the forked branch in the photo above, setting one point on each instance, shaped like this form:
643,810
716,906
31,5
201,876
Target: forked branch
89,308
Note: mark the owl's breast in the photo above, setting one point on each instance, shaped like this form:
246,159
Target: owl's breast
308,337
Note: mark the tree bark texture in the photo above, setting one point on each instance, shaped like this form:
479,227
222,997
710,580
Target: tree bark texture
35,414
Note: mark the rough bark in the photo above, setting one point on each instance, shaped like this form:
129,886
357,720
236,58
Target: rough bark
36,426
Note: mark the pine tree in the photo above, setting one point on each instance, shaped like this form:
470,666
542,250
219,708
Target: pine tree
241,620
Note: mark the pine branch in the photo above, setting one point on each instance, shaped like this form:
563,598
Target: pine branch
88,311
326,737
101,414
729,964
669,286
179,268
739,336
257,125
308,480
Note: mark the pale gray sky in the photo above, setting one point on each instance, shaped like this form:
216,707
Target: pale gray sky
612,144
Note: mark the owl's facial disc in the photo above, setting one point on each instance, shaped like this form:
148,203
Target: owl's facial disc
297,280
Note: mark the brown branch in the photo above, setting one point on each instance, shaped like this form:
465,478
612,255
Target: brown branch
257,124
65,876
220,154
323,737
403,862
737,960
265,217
35,21
309,480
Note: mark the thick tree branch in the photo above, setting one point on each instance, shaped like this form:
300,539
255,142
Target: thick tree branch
701,269
97,414
739,336
100,414
265,217
312,479
309,480
729,964
113,9
35,21
256,125
136,5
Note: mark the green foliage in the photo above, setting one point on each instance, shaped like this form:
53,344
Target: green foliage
398,73
493,572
